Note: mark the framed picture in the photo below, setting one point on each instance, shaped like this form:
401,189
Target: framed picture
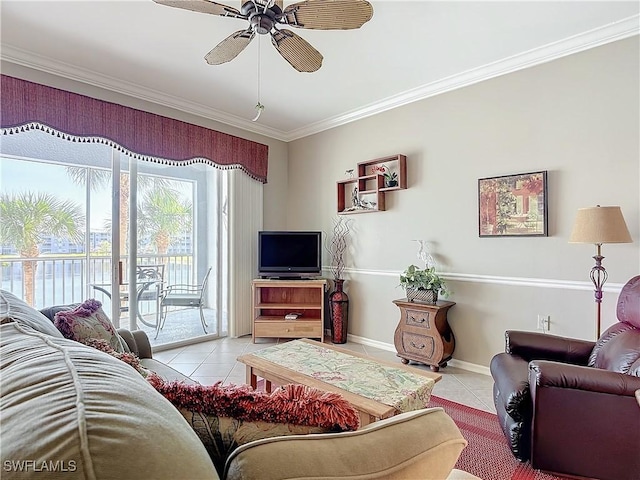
513,205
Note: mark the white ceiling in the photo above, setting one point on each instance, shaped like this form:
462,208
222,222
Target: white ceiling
409,50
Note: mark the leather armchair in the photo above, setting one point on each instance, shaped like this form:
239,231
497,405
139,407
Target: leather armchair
569,405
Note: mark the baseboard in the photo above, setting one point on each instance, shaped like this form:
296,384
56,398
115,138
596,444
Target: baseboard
187,342
389,347
471,367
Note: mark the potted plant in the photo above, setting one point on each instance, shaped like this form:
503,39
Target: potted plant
390,179
422,284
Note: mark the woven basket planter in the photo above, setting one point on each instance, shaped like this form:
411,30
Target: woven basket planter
425,296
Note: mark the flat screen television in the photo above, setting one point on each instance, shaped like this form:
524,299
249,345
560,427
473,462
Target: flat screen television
289,254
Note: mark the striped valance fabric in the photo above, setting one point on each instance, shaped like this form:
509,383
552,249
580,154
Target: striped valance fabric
26,105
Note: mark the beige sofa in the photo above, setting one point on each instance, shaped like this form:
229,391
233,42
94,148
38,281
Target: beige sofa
69,411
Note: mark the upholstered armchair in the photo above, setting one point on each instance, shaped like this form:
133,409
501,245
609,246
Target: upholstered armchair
569,405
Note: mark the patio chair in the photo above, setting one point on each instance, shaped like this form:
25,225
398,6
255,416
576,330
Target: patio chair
149,288
150,285
184,295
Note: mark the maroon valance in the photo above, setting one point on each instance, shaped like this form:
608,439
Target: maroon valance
26,105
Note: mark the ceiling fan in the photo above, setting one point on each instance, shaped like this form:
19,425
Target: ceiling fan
266,16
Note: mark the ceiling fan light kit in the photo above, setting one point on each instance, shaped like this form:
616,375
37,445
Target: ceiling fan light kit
265,16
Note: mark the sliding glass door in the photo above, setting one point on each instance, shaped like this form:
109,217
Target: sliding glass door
126,242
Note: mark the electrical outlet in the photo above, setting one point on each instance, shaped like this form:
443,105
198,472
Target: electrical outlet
544,322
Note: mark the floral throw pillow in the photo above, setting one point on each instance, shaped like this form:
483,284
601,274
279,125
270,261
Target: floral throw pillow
227,416
222,435
88,321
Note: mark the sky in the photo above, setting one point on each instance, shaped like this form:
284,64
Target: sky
19,172
17,176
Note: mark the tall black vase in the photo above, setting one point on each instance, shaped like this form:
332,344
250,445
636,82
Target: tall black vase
339,311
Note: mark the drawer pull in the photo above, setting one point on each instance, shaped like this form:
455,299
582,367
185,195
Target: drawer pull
417,320
419,347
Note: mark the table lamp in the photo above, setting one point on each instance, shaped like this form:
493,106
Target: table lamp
599,225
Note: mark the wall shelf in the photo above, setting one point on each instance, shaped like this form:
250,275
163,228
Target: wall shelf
366,192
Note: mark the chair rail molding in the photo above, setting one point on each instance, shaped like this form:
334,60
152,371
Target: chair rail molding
497,280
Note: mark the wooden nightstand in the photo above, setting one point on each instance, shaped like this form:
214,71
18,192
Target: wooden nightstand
423,333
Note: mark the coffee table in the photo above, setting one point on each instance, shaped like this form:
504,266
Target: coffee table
377,389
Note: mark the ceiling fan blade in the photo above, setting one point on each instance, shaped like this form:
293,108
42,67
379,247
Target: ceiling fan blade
296,50
328,14
230,47
203,6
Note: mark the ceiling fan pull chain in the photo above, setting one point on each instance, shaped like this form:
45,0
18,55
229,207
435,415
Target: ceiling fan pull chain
259,107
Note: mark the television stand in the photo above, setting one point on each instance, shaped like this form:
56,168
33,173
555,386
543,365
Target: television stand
273,299
294,278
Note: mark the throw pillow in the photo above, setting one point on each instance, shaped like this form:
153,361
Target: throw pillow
222,435
127,357
88,321
225,417
50,312
297,404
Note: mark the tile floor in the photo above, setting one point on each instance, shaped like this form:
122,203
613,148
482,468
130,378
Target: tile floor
215,360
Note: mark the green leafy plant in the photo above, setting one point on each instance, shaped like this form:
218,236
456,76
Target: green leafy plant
391,176
423,279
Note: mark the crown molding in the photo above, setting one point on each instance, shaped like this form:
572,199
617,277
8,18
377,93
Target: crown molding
612,32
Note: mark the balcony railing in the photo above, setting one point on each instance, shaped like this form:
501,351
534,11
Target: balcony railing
65,279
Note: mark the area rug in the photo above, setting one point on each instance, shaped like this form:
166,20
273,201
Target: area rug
487,455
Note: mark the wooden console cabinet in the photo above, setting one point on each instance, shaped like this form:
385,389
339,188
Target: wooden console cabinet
423,333
273,299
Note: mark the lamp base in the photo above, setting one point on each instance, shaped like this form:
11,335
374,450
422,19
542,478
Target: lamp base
598,277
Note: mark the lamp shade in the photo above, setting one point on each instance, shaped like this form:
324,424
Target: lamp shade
600,225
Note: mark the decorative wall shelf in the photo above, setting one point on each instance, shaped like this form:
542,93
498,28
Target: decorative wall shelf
366,192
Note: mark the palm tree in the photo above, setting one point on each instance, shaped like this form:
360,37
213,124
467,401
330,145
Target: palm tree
99,178
161,215
27,218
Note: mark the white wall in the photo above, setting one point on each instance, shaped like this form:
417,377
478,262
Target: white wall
576,117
